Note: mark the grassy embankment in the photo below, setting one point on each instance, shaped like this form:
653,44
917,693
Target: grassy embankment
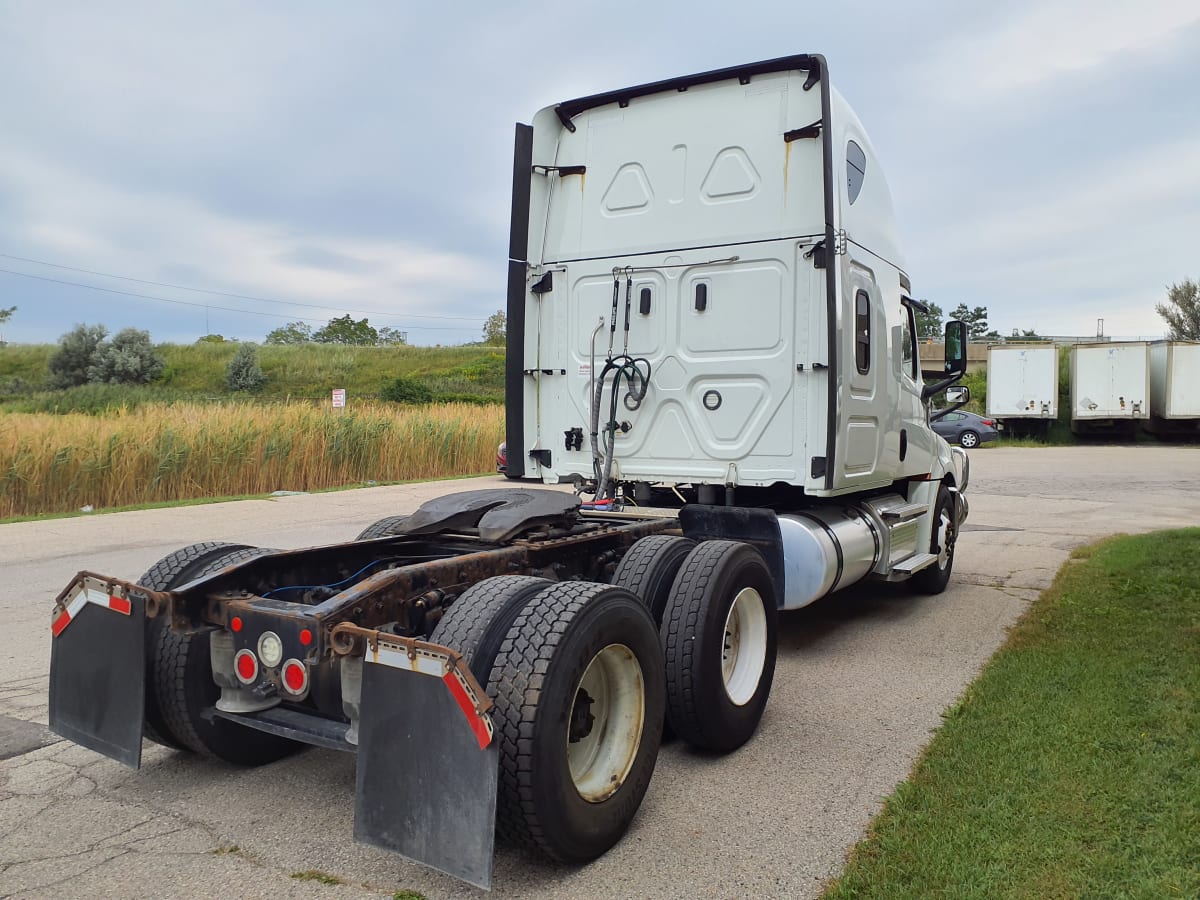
310,371
181,451
1071,767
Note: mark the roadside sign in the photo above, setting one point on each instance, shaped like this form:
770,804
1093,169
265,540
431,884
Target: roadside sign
339,398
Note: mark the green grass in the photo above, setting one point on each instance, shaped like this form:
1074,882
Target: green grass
1071,767
317,876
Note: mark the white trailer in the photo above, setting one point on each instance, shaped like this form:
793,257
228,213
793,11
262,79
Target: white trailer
1174,387
1022,385
1110,385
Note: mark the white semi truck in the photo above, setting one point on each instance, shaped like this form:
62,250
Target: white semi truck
1110,386
1174,388
710,337
1022,386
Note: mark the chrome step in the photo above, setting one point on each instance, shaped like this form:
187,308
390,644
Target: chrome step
904,513
915,563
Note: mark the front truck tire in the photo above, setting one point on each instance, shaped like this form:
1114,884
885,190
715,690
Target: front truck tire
719,641
579,701
933,579
179,681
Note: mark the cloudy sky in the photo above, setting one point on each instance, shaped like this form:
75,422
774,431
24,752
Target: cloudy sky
356,157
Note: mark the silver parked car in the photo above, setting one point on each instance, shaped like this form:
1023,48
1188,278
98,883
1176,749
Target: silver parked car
966,429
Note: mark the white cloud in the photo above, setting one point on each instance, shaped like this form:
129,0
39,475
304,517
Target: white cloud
1041,45
68,216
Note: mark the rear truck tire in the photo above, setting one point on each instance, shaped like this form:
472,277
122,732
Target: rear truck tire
719,641
476,623
968,440
933,579
579,701
179,680
172,570
382,528
648,570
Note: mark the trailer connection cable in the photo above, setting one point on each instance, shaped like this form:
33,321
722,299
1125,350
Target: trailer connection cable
336,584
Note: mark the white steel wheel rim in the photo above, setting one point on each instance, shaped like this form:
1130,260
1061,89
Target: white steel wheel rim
744,646
945,538
613,692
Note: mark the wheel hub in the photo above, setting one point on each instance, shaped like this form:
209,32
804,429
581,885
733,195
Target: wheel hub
582,719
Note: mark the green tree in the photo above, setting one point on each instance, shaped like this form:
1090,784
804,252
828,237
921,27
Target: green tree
345,330
495,329
243,372
128,359
291,333
392,337
976,319
211,339
1182,311
6,314
929,325
75,354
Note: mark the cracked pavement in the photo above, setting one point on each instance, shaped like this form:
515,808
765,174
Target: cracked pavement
862,679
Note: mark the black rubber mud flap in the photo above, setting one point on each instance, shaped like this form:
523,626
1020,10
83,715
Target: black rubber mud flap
426,787
98,670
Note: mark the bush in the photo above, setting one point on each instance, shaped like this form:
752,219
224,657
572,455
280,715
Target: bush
128,359
75,354
406,390
243,372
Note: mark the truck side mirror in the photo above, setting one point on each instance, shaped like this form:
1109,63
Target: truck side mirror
958,394
956,347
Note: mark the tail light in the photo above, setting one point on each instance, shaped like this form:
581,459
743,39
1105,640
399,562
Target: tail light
294,677
246,666
988,422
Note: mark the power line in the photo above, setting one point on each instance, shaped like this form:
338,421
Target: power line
249,312
182,287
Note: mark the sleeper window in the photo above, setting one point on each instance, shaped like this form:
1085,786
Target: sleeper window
862,332
856,170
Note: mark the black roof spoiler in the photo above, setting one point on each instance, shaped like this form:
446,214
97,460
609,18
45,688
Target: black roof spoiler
814,64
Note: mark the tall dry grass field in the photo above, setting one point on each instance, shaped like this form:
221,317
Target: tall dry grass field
54,463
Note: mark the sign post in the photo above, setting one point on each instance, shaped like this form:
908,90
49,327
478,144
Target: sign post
339,398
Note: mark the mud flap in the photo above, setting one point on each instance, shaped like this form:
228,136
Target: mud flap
98,669
427,767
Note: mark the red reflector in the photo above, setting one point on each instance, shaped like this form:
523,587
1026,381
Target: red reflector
120,604
305,637
235,624
247,666
60,623
295,676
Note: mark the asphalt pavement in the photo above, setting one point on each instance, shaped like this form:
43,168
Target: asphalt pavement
862,679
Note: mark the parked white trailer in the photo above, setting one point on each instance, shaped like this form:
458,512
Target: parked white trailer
1022,384
1174,387
1110,384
